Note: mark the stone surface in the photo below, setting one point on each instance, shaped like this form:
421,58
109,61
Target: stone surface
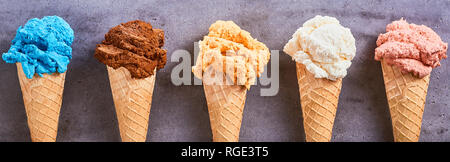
179,113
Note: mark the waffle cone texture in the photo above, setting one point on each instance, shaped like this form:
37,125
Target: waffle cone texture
406,97
319,101
42,97
132,99
225,106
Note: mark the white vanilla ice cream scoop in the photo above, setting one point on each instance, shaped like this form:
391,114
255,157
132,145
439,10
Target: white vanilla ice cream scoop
325,47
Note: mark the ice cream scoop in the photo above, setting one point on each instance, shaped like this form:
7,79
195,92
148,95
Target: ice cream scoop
415,49
42,46
323,46
134,45
231,51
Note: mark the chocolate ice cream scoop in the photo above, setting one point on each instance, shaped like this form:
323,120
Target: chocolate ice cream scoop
134,45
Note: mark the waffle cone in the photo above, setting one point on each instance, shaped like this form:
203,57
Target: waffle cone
225,106
319,100
406,96
132,99
42,97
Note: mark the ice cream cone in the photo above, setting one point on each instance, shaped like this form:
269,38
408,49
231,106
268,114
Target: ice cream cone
319,100
42,97
406,96
132,99
225,105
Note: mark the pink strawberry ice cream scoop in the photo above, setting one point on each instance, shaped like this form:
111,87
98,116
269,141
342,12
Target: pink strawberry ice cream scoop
415,49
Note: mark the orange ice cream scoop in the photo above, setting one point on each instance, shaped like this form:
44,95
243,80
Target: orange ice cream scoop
412,48
228,50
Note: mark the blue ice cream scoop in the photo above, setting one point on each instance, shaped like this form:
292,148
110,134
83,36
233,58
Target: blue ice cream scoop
42,46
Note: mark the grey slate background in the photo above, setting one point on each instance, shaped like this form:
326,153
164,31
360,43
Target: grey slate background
179,113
